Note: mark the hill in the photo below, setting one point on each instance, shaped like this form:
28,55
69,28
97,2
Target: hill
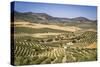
43,17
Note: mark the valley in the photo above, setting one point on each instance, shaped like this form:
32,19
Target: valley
50,42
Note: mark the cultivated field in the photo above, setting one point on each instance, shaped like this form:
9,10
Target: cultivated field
37,43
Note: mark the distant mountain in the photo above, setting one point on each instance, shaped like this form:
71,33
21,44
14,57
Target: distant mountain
29,16
80,19
43,17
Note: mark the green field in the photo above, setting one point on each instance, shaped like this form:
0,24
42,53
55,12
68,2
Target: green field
30,30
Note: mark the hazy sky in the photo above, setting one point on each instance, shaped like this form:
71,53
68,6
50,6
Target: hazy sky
58,10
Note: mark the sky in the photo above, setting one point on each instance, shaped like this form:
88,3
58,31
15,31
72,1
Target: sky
58,10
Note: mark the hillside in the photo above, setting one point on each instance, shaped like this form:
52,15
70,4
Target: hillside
43,17
42,39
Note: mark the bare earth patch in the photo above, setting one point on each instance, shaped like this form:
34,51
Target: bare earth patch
91,30
37,35
94,45
37,26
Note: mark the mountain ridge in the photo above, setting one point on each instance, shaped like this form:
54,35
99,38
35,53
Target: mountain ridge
43,17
